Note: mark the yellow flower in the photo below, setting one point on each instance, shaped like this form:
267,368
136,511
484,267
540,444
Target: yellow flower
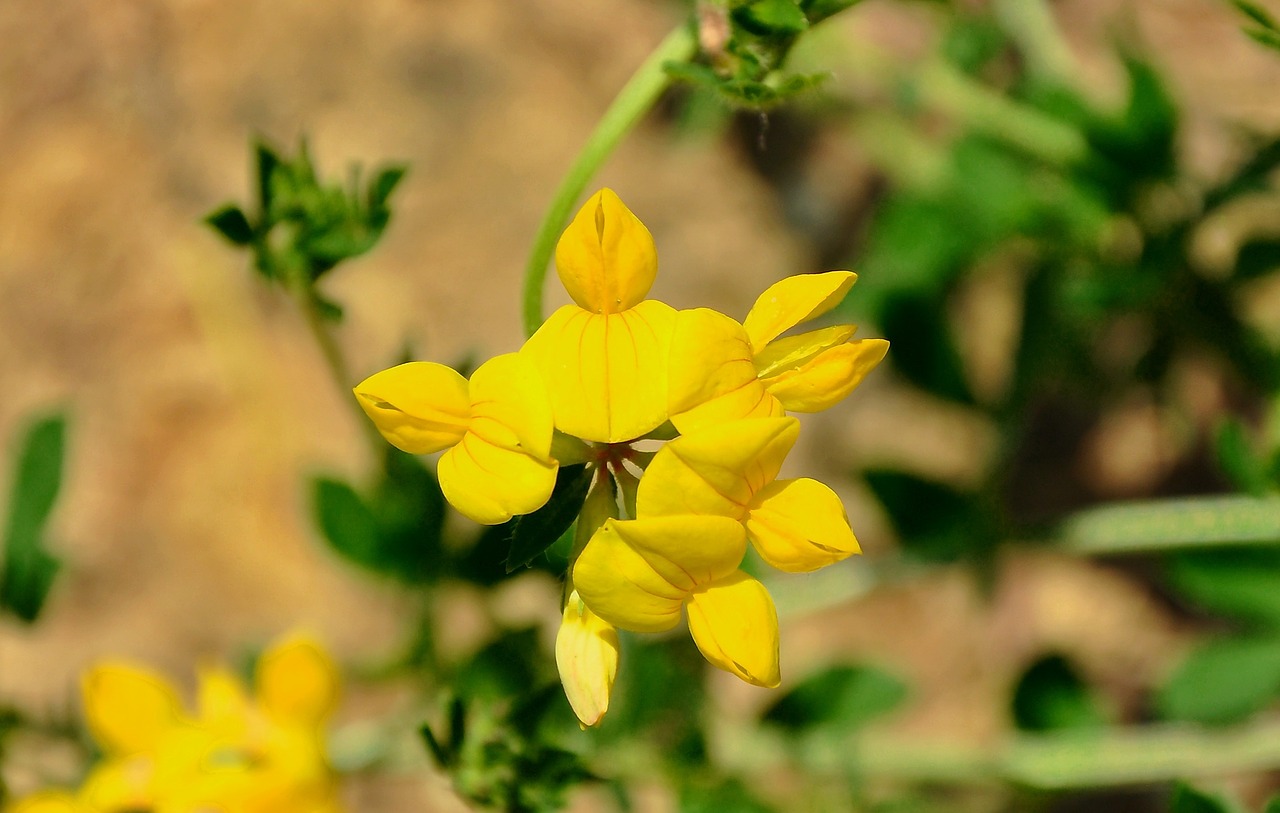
604,358
721,370
730,470
639,574
587,658
236,754
496,429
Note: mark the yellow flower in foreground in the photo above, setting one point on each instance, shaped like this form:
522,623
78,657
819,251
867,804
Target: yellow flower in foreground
639,574
496,429
234,755
729,470
604,358
721,370
587,658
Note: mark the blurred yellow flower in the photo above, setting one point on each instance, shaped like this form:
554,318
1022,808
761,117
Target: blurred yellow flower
729,470
639,574
721,370
496,429
604,358
236,754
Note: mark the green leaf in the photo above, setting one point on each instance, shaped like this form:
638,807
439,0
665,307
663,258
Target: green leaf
1224,681
1050,696
776,17
1187,799
1167,524
934,521
1265,36
724,796
504,667
841,697
232,224
346,521
819,10
28,568
1273,806
267,160
383,185
1238,459
1241,583
536,532
1258,14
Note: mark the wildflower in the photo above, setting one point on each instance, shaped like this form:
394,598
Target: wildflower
722,370
236,754
729,470
640,574
604,358
495,431
587,659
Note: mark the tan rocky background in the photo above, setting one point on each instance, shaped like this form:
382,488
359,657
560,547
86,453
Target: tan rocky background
198,403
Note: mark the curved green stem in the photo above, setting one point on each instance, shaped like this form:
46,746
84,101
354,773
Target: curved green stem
631,103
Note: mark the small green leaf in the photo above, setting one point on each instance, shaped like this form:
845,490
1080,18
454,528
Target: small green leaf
1238,459
441,756
1265,36
1050,696
28,568
346,521
1242,583
843,697
776,17
819,10
232,224
935,521
1187,799
1224,681
267,160
536,532
1258,14
383,185
1273,806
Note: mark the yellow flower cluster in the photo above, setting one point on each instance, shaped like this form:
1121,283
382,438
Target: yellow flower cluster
661,534
235,754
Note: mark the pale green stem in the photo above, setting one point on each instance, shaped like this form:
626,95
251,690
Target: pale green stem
1163,525
632,102
1112,758
1033,27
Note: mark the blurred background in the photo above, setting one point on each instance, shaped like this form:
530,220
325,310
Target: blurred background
1067,232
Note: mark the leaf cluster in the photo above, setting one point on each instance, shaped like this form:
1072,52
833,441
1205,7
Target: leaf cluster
745,45
301,227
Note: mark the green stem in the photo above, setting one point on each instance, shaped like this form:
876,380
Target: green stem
1163,525
631,103
1133,756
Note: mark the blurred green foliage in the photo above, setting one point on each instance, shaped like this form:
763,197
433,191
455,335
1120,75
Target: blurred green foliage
1051,696
28,569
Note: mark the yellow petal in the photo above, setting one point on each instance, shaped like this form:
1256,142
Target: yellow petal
793,300
735,625
419,407
490,484
799,526
221,701
791,352
605,257
606,375
297,682
829,377
716,470
587,658
119,784
618,585
129,709
510,407
712,378
636,574
47,801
